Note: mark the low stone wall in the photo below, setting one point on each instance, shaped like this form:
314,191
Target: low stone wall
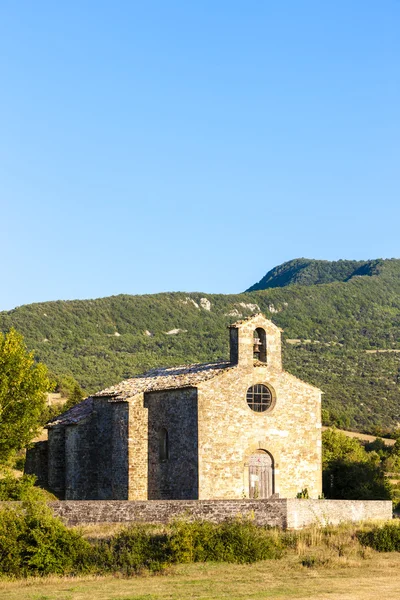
285,513
264,512
324,512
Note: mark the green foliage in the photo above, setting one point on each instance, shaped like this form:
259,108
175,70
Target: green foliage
350,472
21,488
23,387
133,549
355,481
382,539
139,547
304,271
13,488
75,396
238,541
303,494
337,446
33,542
358,311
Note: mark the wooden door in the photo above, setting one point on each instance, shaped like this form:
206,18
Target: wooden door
261,475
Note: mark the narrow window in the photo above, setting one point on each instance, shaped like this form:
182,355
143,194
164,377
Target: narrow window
163,444
260,345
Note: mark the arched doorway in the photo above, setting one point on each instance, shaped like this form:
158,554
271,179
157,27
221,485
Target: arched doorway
261,475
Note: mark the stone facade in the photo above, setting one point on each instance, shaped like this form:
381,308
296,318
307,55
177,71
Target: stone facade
189,433
285,513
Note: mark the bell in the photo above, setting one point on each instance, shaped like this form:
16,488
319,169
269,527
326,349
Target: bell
256,347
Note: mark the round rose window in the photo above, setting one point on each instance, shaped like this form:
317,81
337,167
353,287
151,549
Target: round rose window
259,397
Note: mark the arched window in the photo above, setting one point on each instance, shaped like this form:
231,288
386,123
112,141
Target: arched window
163,444
260,345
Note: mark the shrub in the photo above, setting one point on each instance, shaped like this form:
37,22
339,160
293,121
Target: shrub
21,488
140,547
33,542
382,539
230,541
15,488
133,549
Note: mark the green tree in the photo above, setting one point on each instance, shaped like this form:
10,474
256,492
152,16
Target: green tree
337,446
23,388
75,396
350,472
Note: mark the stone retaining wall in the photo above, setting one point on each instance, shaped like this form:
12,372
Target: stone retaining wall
285,513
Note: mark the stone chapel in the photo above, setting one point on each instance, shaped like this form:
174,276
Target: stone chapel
226,430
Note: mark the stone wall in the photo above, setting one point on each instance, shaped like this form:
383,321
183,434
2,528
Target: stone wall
176,477
119,451
56,461
80,461
87,460
304,512
285,513
230,432
97,455
36,462
264,512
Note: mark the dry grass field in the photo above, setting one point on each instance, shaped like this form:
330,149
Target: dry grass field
377,576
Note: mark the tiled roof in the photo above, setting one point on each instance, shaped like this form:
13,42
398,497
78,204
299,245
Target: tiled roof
154,380
73,415
164,379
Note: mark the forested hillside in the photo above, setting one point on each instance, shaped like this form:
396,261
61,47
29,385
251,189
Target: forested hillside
334,334
305,271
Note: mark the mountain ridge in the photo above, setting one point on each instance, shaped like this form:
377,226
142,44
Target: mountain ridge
328,329
308,271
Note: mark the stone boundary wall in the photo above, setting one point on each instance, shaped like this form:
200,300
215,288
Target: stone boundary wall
264,512
324,512
285,513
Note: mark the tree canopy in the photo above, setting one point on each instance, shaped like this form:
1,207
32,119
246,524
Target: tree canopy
23,388
352,471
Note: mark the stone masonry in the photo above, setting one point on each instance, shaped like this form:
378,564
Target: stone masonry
286,513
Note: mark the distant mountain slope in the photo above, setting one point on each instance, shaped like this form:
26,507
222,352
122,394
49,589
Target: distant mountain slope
304,271
328,329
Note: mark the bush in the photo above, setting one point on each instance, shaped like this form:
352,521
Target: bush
22,489
140,547
382,539
16,488
230,541
132,550
33,542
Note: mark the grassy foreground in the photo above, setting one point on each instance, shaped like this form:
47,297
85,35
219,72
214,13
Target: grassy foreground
367,579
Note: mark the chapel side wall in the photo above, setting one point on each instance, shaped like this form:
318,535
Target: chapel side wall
137,448
175,477
81,463
229,432
37,463
119,452
101,451
56,461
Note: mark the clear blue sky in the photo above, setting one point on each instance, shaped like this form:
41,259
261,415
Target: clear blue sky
173,145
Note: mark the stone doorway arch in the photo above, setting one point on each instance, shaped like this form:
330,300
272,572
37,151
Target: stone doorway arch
261,475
